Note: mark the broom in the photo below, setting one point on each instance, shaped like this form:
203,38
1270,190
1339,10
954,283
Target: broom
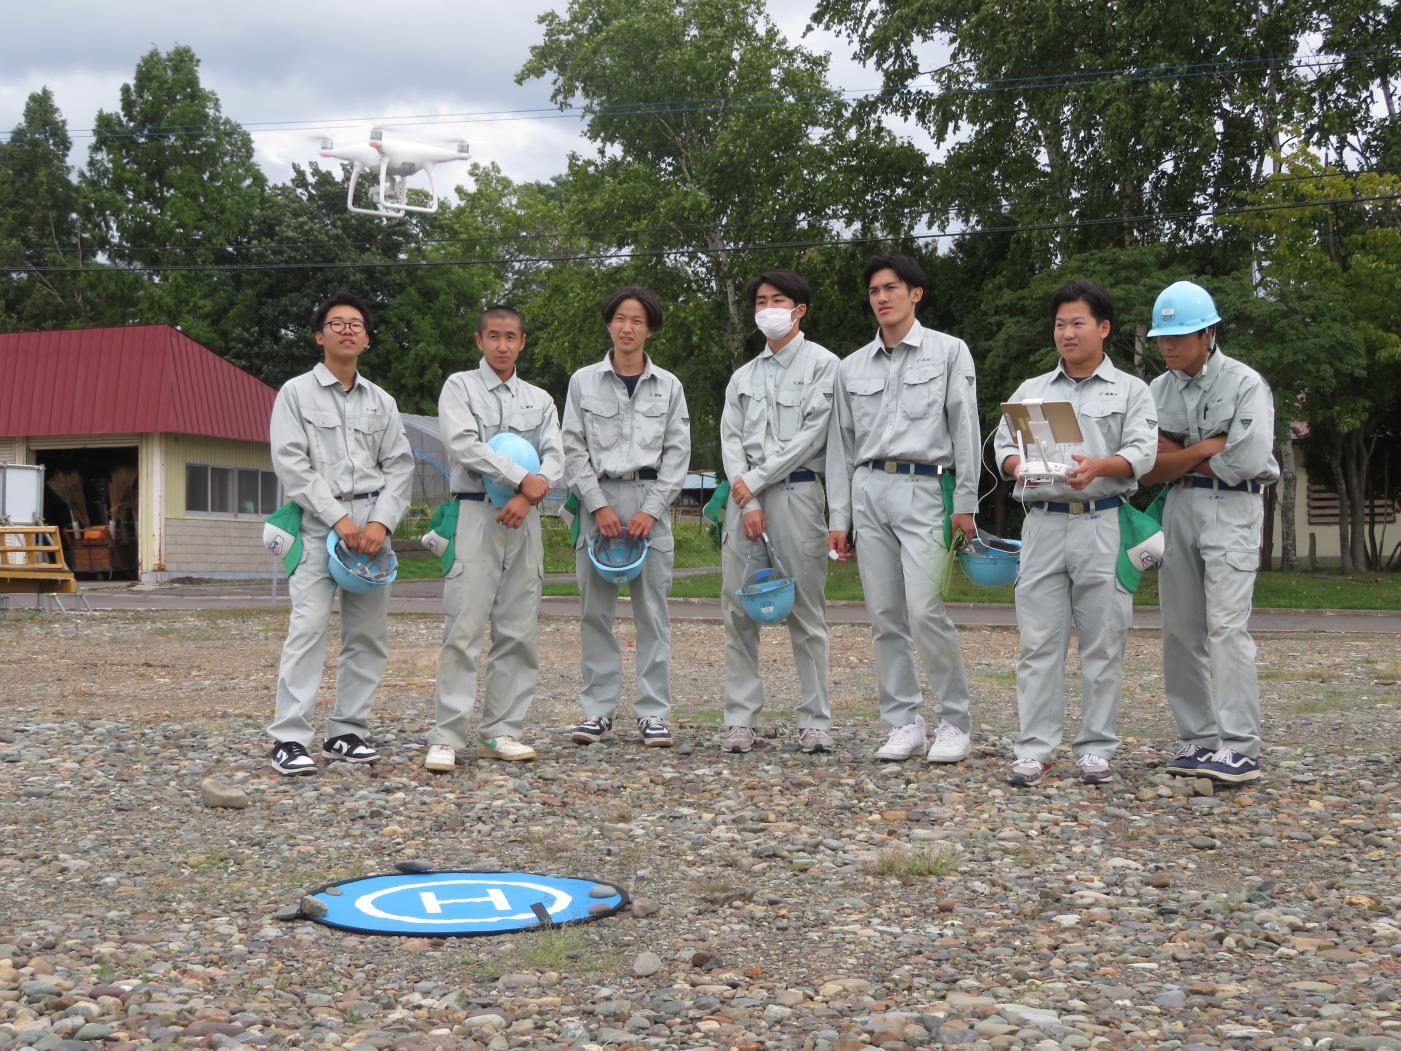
119,491
68,486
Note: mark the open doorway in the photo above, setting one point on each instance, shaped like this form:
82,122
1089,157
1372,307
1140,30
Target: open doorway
93,495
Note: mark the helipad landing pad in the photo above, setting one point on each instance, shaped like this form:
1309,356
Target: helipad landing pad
463,904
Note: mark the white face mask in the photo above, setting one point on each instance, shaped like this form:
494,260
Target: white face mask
774,322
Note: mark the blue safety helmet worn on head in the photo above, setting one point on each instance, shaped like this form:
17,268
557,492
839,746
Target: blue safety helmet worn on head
618,559
358,573
1182,308
519,452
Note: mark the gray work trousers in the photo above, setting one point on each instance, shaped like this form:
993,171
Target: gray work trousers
899,520
495,579
364,642
1206,584
796,521
599,654
1067,579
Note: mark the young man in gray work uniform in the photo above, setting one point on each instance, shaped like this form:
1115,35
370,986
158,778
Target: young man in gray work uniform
1070,540
339,450
773,441
498,553
627,447
905,414
1216,418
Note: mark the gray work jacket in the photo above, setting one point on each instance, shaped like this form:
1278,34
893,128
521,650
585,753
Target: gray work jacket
329,443
477,405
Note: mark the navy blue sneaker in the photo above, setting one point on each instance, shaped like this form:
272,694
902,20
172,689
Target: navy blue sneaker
654,732
1229,767
1188,760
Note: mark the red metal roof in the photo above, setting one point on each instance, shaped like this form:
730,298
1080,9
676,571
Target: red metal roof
138,379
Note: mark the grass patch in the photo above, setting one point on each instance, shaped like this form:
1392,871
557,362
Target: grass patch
924,863
1331,702
1299,674
562,949
706,716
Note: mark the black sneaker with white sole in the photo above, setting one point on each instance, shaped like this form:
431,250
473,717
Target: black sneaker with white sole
591,731
350,747
654,731
288,757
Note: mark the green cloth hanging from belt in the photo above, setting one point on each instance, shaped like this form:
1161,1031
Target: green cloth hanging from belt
570,513
282,535
441,538
1140,540
714,512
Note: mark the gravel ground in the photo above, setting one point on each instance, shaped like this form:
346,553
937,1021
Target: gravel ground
781,900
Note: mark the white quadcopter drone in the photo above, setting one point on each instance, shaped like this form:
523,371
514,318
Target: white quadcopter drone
1042,424
397,159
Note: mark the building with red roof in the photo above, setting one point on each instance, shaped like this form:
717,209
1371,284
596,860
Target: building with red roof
99,403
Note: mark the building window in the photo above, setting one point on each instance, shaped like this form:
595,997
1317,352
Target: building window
236,492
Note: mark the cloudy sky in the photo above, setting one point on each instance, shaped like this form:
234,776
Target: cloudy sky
312,63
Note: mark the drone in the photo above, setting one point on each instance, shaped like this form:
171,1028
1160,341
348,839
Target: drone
397,159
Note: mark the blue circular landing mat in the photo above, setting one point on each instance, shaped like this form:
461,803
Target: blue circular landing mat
463,904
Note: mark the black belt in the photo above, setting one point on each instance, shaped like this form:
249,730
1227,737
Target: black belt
800,476
1196,481
1080,507
905,467
646,474
358,496
469,496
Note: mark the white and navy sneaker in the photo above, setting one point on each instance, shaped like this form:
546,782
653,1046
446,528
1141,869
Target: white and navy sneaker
1229,767
1027,772
654,732
350,747
1095,769
1188,760
289,757
591,731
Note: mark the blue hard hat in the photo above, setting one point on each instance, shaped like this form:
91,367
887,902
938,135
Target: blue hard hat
518,451
767,597
618,559
990,561
1182,308
358,573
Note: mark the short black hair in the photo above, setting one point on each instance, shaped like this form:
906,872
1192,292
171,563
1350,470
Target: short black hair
651,305
1094,297
341,298
906,269
790,283
499,310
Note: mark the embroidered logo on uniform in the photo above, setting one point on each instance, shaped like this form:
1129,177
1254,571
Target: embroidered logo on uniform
1244,424
1152,423
827,394
971,379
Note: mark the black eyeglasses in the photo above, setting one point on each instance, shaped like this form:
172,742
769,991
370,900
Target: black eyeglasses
345,325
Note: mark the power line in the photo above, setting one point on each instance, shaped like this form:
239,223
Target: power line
625,234
1047,81
665,253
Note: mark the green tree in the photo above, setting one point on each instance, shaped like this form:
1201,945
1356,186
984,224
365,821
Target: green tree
1327,296
171,181
40,227
713,134
1084,115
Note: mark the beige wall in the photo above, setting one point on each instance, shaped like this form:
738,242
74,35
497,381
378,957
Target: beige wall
10,450
182,449
201,547
1325,536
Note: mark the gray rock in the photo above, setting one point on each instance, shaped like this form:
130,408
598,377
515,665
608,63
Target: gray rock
646,964
214,793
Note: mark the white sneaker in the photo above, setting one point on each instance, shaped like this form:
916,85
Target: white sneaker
507,748
903,742
1094,769
441,758
951,745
